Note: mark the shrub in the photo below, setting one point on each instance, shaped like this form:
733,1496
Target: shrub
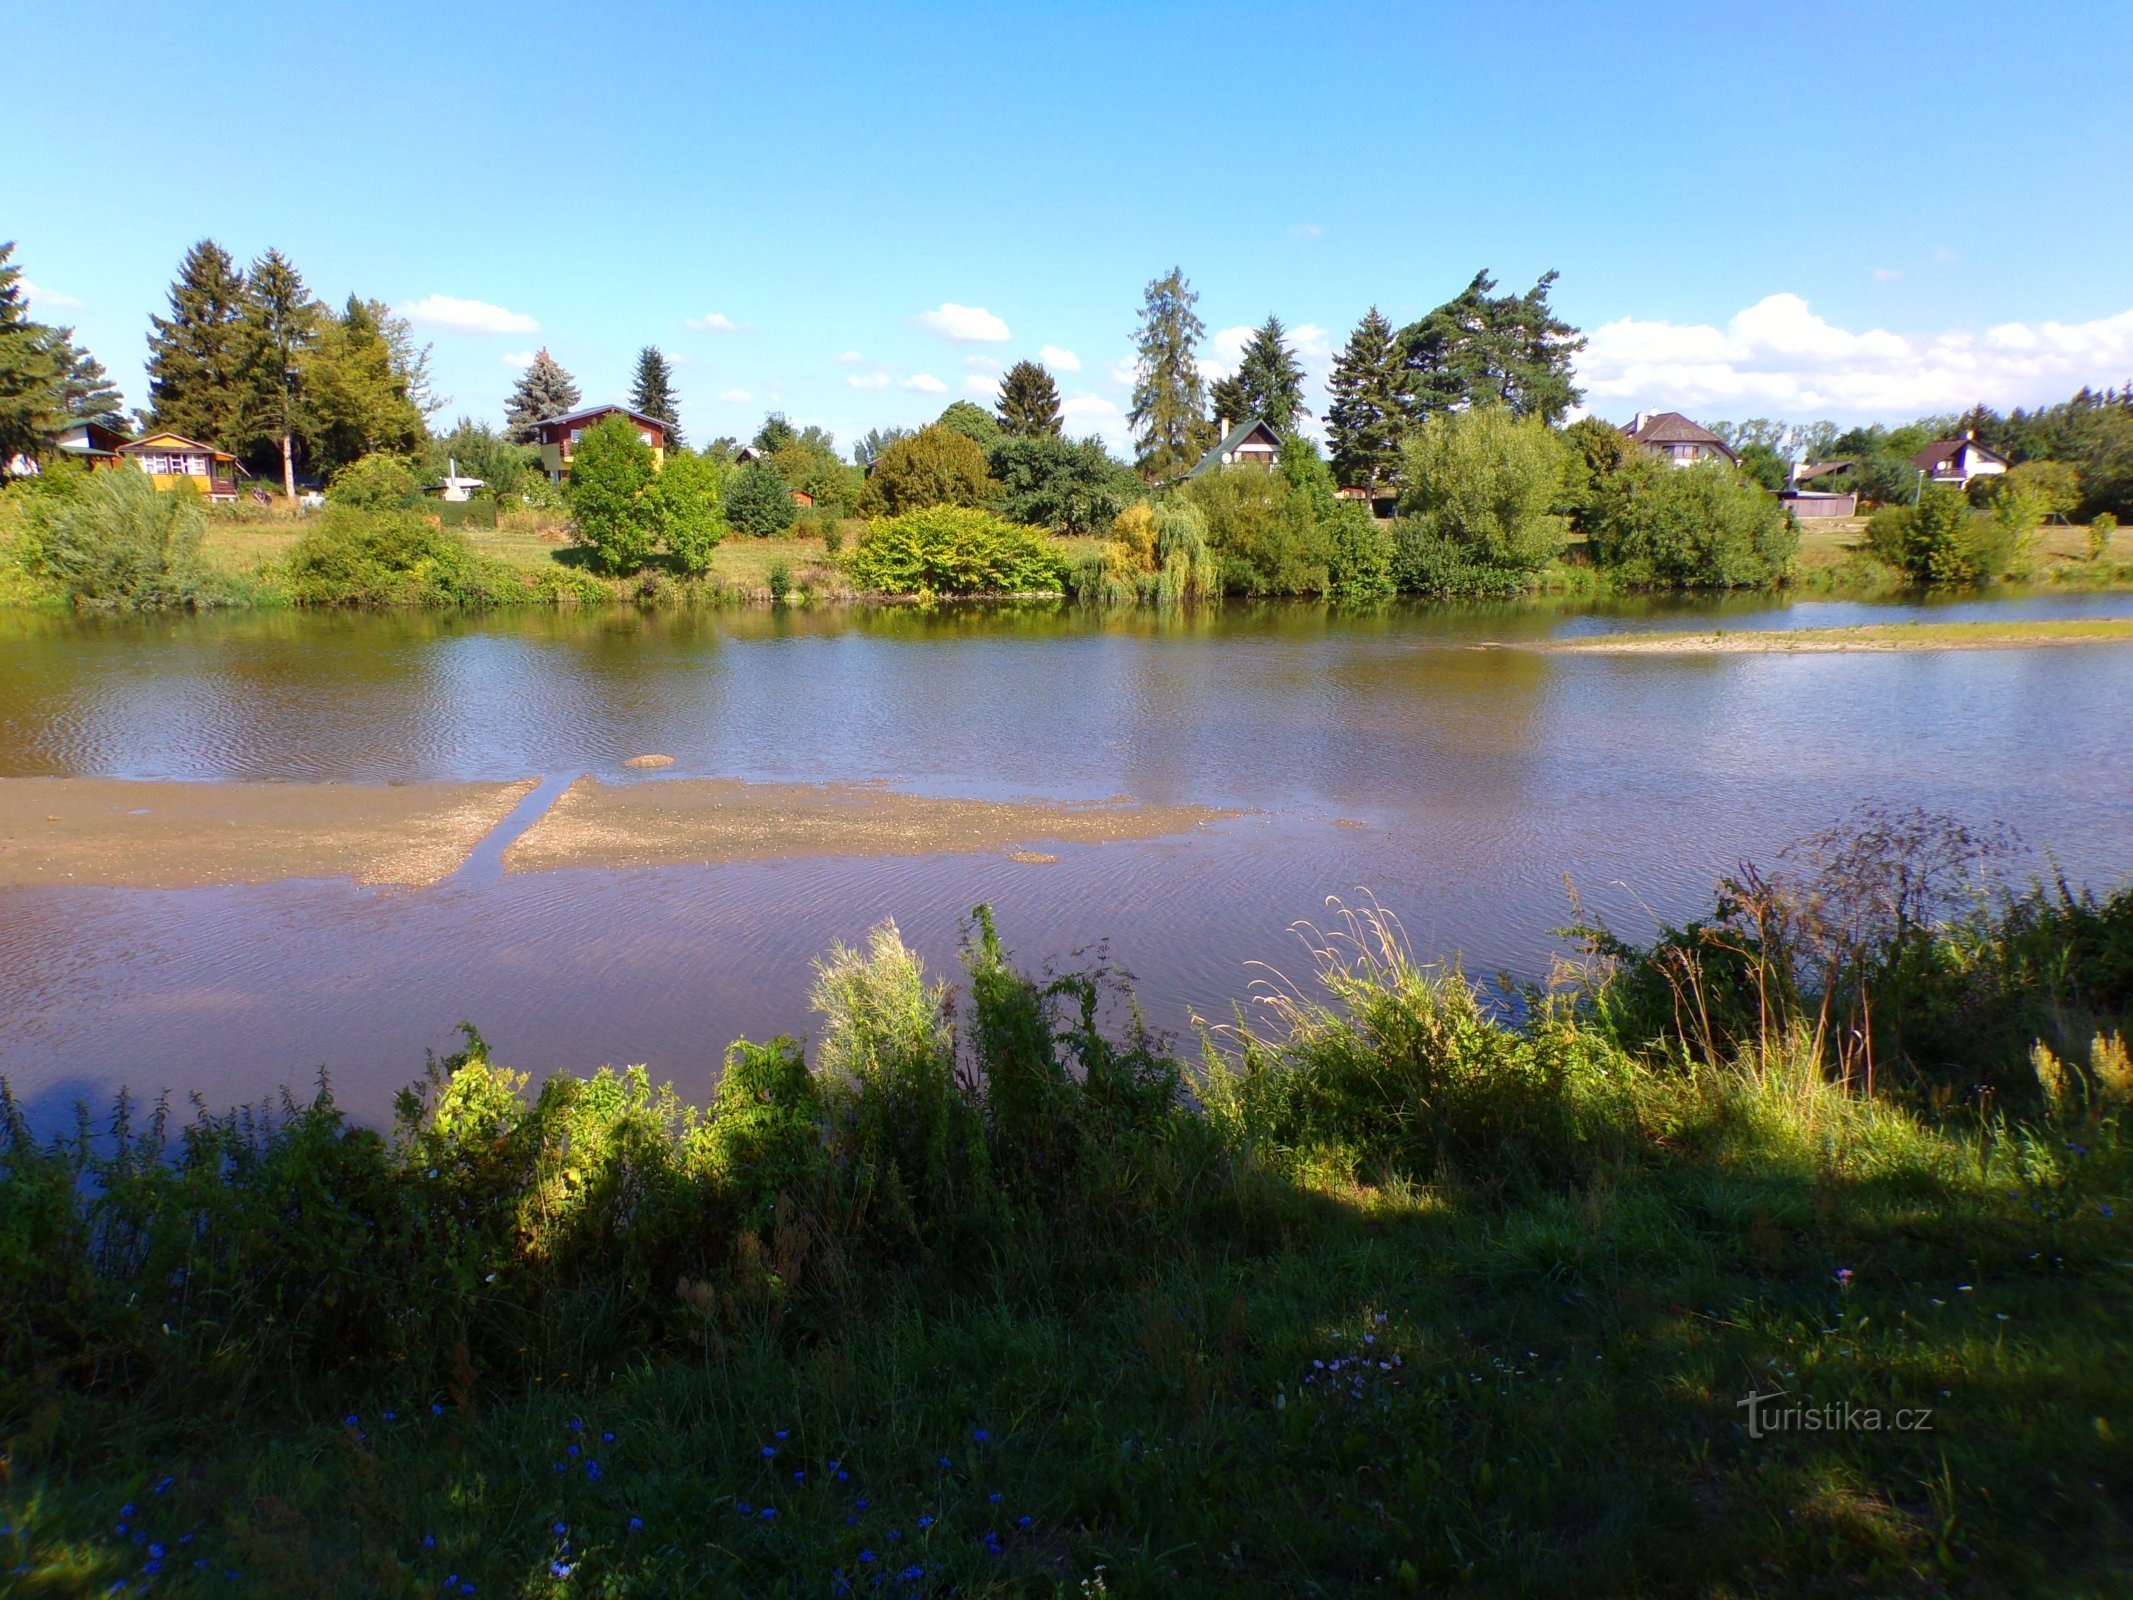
1487,483
611,471
1124,570
1068,486
1359,555
1264,532
759,501
1701,527
115,539
389,558
2101,527
685,509
1427,562
953,550
1186,568
937,466
377,482
1597,451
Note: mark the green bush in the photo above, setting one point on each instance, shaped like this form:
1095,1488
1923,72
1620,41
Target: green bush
1428,562
611,472
685,510
113,539
1487,484
759,501
390,558
1185,567
380,481
954,550
1061,484
2101,527
1264,532
939,465
1701,527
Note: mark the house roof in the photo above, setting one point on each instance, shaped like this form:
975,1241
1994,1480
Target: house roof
174,441
1671,427
1823,469
583,412
1942,451
1235,439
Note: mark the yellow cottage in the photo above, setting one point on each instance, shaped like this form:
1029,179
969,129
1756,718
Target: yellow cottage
169,458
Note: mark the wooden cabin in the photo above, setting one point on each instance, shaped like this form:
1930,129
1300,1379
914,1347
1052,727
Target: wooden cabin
557,437
170,459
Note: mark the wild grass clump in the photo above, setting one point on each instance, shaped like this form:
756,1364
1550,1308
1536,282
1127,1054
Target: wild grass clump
113,541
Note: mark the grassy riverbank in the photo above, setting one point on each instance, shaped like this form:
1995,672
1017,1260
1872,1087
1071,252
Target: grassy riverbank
975,1298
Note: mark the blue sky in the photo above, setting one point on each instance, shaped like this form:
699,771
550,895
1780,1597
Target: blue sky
855,214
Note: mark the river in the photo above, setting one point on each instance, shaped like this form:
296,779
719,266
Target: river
1380,754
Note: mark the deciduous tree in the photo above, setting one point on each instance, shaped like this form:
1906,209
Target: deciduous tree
611,468
937,466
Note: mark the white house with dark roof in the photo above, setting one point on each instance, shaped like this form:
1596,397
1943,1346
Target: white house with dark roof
1956,461
1251,443
1673,437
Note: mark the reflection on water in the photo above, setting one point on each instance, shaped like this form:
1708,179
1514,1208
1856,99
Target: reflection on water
1478,777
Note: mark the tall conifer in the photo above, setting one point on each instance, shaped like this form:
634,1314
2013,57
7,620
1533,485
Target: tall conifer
1169,401
544,390
1029,402
1271,378
27,371
653,393
280,329
1366,417
196,354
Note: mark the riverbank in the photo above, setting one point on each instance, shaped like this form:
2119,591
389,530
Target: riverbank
1868,638
147,835
1398,1295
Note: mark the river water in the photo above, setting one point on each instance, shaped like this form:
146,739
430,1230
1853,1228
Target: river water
1377,754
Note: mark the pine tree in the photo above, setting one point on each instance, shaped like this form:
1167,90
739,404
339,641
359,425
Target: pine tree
1228,403
1029,402
1272,378
82,390
1366,418
544,390
1480,348
277,336
653,394
196,354
1169,400
27,371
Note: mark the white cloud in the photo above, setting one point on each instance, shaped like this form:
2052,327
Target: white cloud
735,396
982,383
924,383
1888,274
1094,406
712,322
46,299
981,363
1306,230
868,380
851,358
1945,254
1122,371
1312,342
466,316
967,324
1779,358
521,359
1060,360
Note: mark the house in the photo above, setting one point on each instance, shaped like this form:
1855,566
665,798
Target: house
170,459
802,499
1956,461
557,437
1251,443
1671,436
91,443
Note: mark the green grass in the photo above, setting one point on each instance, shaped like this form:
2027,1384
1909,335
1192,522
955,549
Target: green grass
1420,1300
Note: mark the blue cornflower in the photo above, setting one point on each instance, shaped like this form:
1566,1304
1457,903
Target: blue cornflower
560,1529
572,1451
834,1465
436,1410
636,1524
912,1574
429,1541
126,1511
781,1433
450,1578
559,1466
842,1474
993,1498
2106,1210
1022,1522
560,1569
944,1463
165,1484
120,1529
866,1556
155,1551
576,1426
861,1504
769,1450
799,1477
466,1586
768,1512
607,1438
744,1508
592,1472
350,1420
925,1522
895,1534
390,1416
980,1436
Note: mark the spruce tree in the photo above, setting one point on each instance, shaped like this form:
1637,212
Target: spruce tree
1029,402
196,354
82,390
277,337
653,393
1272,378
544,390
27,371
1228,403
1169,401
1366,417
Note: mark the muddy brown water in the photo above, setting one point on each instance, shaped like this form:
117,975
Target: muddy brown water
1384,753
